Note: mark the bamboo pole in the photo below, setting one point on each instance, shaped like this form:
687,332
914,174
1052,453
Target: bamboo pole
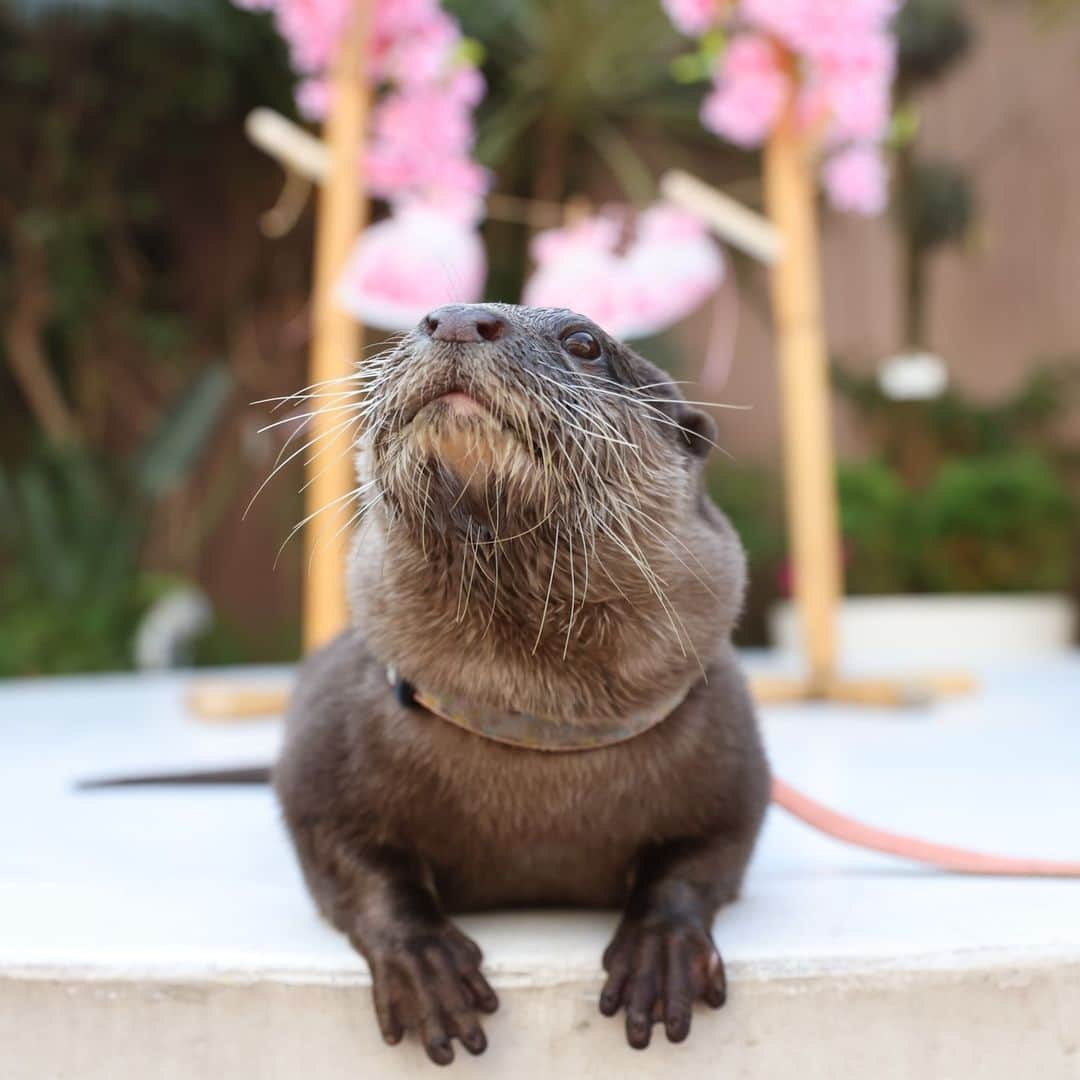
336,337
809,472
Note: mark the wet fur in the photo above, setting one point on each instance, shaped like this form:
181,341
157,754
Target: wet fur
552,552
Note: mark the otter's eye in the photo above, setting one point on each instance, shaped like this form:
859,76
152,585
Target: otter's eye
582,343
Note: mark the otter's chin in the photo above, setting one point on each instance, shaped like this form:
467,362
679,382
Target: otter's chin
463,436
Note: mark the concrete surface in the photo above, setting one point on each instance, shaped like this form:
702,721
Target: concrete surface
167,934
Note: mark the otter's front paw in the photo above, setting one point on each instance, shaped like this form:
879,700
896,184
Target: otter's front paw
657,968
429,981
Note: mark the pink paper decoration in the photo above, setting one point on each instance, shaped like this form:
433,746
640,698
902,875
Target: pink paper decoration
405,265
632,277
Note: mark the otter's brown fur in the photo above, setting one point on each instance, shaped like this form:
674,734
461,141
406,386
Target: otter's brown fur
538,541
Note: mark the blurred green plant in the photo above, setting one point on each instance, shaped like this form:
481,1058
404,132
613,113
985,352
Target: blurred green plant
752,498
1003,522
72,528
130,261
878,527
997,524
964,496
916,438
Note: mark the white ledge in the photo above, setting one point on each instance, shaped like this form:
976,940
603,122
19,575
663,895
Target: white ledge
167,933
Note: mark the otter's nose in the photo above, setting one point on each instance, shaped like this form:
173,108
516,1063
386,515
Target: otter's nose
463,322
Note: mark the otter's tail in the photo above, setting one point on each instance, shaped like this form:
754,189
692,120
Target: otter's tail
259,774
957,860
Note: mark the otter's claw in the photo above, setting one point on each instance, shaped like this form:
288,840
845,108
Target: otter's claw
430,982
657,969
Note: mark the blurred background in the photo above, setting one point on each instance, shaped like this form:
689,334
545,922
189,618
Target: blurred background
142,310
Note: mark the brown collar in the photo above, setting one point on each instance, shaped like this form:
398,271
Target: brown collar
529,732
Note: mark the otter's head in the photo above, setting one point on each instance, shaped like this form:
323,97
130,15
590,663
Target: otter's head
538,495
534,413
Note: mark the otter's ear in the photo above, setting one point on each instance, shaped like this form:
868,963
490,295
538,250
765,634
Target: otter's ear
698,430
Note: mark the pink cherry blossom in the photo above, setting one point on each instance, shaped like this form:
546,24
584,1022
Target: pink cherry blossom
842,58
423,55
313,97
419,147
312,28
420,143
817,27
693,17
857,180
749,94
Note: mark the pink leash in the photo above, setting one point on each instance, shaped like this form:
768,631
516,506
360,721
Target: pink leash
958,860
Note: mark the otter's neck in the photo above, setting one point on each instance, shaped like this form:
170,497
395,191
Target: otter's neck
551,622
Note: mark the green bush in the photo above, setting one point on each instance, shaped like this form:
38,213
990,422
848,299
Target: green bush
993,523
996,525
71,591
751,498
877,526
73,524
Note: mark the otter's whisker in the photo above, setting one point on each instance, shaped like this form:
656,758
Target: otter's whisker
322,509
279,465
573,594
547,598
352,428
297,417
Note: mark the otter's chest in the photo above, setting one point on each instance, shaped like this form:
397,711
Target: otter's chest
501,826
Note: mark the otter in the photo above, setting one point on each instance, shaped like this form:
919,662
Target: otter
538,562
538,702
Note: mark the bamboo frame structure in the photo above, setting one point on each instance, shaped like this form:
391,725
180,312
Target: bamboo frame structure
809,466
337,338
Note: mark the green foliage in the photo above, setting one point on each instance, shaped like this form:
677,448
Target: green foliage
996,524
35,9
167,457
1002,522
129,260
72,589
937,206
965,496
916,438
876,520
751,496
92,107
932,35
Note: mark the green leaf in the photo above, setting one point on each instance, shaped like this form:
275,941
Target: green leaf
904,125
173,449
691,68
